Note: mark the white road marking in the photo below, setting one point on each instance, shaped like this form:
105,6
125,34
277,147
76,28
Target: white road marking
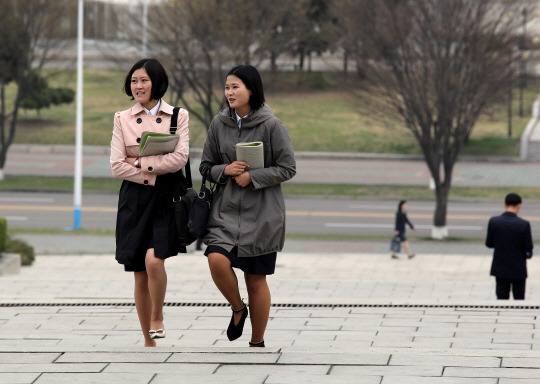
389,226
27,199
412,209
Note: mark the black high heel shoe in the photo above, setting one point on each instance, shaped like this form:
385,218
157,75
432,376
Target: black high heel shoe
235,331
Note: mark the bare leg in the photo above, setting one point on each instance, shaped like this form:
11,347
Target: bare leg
143,303
259,305
406,246
226,281
157,286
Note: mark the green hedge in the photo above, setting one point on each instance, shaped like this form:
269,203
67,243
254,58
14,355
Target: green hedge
9,245
23,248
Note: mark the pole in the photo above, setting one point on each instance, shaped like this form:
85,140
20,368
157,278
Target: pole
77,193
145,28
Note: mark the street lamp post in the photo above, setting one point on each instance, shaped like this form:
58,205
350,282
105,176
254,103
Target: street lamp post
77,192
145,29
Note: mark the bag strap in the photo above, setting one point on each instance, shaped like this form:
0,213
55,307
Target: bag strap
172,131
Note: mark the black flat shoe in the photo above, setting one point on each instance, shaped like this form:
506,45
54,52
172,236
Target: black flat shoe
260,344
235,331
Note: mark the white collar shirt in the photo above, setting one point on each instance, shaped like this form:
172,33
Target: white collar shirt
154,111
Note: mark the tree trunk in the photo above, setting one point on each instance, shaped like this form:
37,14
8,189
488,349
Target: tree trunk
441,184
273,62
439,230
301,60
3,143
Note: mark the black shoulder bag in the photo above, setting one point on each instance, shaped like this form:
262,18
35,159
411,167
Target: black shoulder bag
183,203
200,210
191,210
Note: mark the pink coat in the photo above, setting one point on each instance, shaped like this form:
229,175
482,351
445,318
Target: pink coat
128,127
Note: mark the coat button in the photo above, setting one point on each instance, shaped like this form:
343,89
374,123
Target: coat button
139,120
150,169
138,139
158,120
146,182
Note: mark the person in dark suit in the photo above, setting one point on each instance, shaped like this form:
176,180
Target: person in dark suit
511,240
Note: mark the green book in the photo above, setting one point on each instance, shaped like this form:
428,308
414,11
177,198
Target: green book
153,143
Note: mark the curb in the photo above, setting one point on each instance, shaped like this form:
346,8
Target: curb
307,155
10,263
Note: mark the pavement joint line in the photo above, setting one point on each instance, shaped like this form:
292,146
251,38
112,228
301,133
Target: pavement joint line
278,305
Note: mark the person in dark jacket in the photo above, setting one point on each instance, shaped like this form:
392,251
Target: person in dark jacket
399,228
145,223
511,240
246,227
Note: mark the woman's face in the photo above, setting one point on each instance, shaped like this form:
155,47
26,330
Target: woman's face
141,87
404,207
237,95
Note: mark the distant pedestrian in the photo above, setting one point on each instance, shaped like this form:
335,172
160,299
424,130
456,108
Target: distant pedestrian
401,220
511,240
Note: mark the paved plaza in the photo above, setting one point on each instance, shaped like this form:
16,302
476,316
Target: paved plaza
336,318
343,311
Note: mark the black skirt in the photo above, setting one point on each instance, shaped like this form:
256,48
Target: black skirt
256,265
146,219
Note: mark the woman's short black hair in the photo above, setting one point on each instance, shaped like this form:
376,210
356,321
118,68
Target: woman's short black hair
252,80
401,202
157,74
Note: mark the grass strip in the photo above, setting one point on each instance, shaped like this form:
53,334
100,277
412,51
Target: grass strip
290,236
58,231
65,184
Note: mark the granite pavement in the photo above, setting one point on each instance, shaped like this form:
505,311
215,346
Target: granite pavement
337,317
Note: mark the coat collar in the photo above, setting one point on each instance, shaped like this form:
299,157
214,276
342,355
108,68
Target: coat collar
510,214
164,107
253,119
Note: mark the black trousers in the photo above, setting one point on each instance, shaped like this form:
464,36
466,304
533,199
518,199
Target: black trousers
504,285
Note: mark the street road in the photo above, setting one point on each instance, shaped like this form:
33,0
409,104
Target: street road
305,215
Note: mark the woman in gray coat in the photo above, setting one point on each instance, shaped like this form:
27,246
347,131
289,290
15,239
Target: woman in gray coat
247,223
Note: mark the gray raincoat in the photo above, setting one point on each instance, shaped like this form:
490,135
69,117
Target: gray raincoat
252,218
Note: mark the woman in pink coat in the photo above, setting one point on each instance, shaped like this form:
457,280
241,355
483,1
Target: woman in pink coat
145,226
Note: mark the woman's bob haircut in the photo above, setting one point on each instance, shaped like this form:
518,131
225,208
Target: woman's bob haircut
252,80
157,74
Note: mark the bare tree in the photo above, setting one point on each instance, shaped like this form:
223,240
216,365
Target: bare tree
201,39
189,34
312,30
278,30
29,29
13,56
438,64
349,34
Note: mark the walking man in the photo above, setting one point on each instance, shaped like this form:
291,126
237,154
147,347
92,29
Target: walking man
511,240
